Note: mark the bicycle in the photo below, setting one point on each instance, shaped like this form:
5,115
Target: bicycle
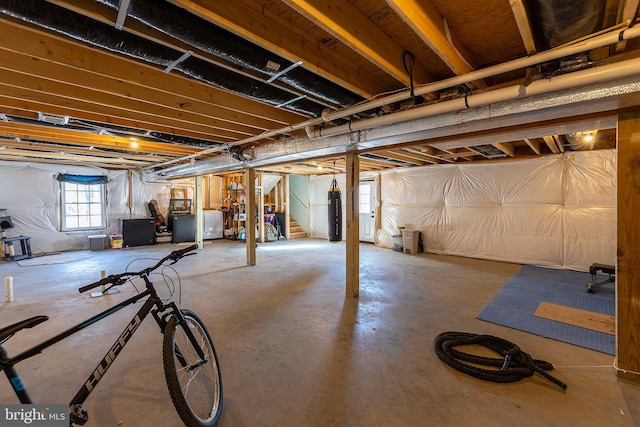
189,358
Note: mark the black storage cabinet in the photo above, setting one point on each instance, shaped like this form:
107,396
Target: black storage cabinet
138,232
183,228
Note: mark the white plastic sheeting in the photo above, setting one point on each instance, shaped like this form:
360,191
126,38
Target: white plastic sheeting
268,182
31,195
558,211
215,192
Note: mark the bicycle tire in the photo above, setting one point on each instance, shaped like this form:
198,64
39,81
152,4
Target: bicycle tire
196,393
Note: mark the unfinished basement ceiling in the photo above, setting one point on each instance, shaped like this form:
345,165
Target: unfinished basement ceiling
191,86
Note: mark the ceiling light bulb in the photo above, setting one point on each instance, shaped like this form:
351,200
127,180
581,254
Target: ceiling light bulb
588,137
134,144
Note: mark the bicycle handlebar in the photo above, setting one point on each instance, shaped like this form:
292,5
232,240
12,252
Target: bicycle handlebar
119,279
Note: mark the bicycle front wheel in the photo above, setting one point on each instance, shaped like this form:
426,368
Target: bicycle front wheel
194,382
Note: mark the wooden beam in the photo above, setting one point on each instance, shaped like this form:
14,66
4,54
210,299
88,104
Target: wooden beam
418,155
353,226
104,14
533,144
423,18
97,153
251,21
74,82
551,143
558,140
431,153
522,20
42,45
199,190
16,98
250,209
506,147
628,252
40,89
260,192
346,23
85,139
364,161
62,155
399,155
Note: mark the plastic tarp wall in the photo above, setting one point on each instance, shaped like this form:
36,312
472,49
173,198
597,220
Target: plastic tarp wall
120,207
268,182
215,192
558,211
31,195
319,202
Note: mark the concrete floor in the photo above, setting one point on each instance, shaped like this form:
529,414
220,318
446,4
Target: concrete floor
295,352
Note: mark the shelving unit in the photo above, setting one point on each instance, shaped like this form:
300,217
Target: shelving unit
234,201
268,209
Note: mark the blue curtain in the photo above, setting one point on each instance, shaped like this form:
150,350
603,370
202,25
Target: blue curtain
82,179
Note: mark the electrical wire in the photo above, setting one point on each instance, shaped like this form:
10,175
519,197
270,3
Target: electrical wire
408,68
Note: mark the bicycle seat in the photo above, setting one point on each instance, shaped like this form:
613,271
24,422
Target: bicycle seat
7,331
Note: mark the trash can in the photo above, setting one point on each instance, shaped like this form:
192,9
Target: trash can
397,242
97,242
410,239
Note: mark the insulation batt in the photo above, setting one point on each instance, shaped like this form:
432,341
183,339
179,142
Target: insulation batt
558,211
31,196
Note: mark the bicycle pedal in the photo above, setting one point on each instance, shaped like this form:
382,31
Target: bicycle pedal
78,415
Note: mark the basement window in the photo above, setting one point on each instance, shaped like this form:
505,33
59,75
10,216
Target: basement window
83,202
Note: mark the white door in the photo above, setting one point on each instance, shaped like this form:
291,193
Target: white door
367,200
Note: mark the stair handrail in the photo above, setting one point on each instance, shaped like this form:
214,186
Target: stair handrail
295,196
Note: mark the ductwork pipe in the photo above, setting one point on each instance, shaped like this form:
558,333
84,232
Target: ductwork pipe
561,21
608,85
579,78
573,49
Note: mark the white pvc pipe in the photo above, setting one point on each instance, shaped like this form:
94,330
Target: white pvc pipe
8,283
434,118
103,274
609,72
539,58
516,64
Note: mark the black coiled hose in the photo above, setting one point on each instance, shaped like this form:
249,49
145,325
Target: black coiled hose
514,365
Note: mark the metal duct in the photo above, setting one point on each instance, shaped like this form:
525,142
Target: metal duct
539,58
95,33
556,22
549,101
182,25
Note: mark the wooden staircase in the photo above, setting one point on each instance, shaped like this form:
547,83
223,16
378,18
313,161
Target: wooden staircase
295,231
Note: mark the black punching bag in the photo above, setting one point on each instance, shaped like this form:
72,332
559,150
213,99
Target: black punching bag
335,212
